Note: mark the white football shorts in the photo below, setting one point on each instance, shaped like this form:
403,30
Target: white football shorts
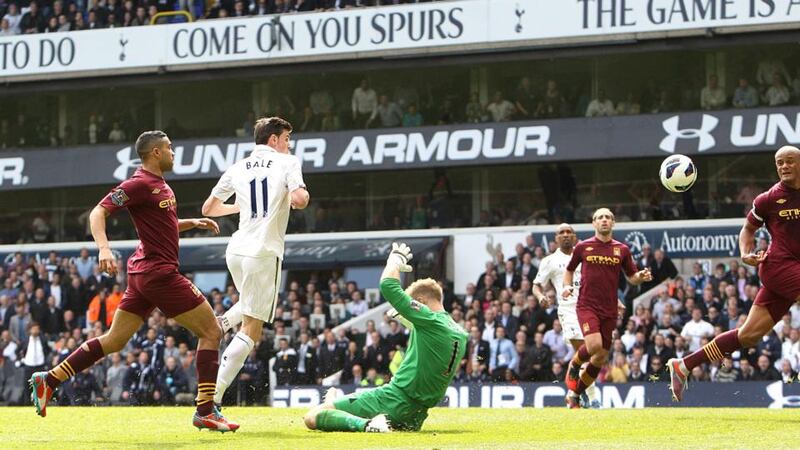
569,322
258,281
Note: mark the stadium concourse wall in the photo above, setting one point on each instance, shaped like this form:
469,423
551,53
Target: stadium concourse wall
750,394
461,252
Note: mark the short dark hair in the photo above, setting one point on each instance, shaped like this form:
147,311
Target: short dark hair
267,126
147,140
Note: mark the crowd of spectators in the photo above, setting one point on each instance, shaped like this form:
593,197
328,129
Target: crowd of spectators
50,307
50,16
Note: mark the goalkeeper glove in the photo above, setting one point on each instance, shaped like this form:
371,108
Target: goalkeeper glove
399,257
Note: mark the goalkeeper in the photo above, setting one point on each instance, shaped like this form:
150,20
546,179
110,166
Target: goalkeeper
435,349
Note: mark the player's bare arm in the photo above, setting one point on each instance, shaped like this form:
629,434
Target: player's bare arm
105,259
640,277
568,288
538,292
214,207
747,244
300,198
203,224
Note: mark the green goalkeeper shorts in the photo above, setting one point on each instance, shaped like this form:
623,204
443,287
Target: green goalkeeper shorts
404,413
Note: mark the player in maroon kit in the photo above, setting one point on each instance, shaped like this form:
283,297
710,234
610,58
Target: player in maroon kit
601,259
153,281
778,268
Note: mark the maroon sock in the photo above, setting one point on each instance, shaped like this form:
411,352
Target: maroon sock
588,375
76,362
582,355
207,366
722,345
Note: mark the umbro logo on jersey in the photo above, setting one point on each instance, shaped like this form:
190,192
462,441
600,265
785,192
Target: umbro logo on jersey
156,191
780,201
588,249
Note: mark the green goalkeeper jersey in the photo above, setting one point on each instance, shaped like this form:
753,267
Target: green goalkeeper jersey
435,347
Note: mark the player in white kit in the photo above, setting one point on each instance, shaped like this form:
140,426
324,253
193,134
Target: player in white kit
266,184
551,269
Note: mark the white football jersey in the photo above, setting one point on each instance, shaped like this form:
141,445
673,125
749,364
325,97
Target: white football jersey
262,183
552,269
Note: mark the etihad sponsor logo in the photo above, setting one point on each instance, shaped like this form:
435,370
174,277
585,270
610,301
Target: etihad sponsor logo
790,214
604,260
168,203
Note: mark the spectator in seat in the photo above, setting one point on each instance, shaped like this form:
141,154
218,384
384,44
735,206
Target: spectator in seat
619,370
172,382
601,106
13,17
139,382
746,370
552,105
503,355
765,371
525,99
474,110
285,363
629,106
501,110
662,268
412,117
788,374
778,93
141,17
476,358
33,21
657,371
791,348
388,112
712,96
663,103
508,320
354,357
697,329
745,96
331,355
116,134
358,305
364,102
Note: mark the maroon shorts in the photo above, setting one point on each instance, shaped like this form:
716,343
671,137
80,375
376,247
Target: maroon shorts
170,292
591,323
781,286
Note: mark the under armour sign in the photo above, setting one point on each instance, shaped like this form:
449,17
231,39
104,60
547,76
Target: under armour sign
703,135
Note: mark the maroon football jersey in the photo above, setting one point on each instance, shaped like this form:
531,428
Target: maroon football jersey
601,264
779,209
154,211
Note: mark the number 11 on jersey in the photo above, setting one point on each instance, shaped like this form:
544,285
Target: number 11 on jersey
264,198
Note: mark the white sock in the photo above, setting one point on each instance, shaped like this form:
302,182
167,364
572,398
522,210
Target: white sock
232,317
232,361
592,392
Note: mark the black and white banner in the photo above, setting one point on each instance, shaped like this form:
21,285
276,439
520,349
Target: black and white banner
366,32
733,131
538,395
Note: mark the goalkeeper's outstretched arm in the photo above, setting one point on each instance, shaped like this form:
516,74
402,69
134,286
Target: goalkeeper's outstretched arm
410,312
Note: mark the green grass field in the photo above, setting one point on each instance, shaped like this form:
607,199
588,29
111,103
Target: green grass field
155,428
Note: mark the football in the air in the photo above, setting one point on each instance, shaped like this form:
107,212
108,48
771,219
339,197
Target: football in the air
678,173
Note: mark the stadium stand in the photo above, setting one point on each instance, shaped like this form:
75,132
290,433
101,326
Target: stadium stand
66,301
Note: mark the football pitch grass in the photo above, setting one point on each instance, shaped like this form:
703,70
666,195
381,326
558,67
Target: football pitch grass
271,428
